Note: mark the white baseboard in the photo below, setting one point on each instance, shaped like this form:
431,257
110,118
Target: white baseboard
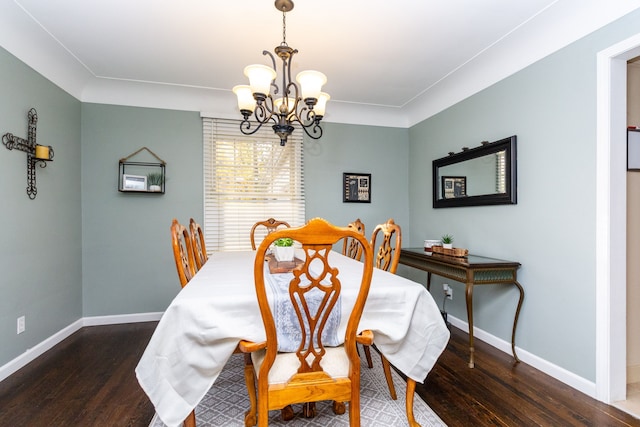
32,353
121,318
561,374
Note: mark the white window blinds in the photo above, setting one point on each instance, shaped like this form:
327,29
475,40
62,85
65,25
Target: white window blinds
501,172
248,179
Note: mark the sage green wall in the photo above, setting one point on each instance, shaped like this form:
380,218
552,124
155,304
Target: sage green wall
128,264
551,107
382,152
40,253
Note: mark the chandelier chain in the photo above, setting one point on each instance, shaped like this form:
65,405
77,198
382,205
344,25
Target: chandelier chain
284,27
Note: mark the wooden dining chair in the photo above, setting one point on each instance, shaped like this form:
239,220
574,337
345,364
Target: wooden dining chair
182,252
270,224
388,253
387,257
314,371
351,247
186,267
197,243
183,244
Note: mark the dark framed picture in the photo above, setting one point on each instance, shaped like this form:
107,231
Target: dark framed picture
454,187
633,149
356,187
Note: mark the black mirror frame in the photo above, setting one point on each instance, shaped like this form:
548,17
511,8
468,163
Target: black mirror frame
507,198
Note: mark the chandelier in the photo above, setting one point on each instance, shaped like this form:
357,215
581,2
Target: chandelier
303,103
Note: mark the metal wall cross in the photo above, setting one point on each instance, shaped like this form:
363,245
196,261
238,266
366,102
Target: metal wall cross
29,146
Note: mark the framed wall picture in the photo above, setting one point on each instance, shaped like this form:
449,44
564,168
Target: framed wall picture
134,182
454,187
633,149
356,187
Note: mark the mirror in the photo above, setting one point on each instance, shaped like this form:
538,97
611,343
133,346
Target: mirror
480,176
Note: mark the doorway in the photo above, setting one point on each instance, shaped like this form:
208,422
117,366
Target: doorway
611,205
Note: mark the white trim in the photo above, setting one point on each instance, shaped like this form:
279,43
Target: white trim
581,384
611,220
33,353
121,318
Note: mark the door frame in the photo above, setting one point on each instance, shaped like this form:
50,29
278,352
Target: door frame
611,214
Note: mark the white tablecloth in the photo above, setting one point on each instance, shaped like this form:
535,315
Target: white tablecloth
203,324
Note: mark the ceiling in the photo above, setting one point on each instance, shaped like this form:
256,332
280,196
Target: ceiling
391,63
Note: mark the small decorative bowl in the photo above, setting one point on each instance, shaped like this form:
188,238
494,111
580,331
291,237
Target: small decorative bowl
428,244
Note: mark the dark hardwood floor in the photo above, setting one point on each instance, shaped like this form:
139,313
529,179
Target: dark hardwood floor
89,380
499,392
86,380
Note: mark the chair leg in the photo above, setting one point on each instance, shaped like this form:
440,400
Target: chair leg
367,353
387,374
354,409
287,413
339,408
263,413
190,421
249,379
411,388
309,409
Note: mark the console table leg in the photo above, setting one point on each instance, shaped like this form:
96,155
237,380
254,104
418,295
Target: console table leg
469,297
515,321
428,281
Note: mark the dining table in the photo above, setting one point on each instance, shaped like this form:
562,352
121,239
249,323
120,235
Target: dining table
203,324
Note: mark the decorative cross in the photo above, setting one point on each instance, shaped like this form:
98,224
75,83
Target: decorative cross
29,146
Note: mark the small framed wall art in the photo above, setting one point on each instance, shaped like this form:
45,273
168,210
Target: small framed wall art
134,182
356,187
454,186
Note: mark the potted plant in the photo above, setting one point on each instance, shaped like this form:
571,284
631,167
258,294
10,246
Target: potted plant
284,250
154,180
447,241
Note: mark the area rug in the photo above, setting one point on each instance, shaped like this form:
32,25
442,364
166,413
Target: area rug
226,402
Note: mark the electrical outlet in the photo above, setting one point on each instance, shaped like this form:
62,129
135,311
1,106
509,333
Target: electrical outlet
21,324
448,291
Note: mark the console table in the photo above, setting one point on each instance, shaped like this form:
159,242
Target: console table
471,270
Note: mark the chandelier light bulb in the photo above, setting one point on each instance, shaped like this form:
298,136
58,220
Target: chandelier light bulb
260,78
320,107
311,82
245,98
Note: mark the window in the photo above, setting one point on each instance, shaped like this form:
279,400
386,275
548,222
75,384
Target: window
248,178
